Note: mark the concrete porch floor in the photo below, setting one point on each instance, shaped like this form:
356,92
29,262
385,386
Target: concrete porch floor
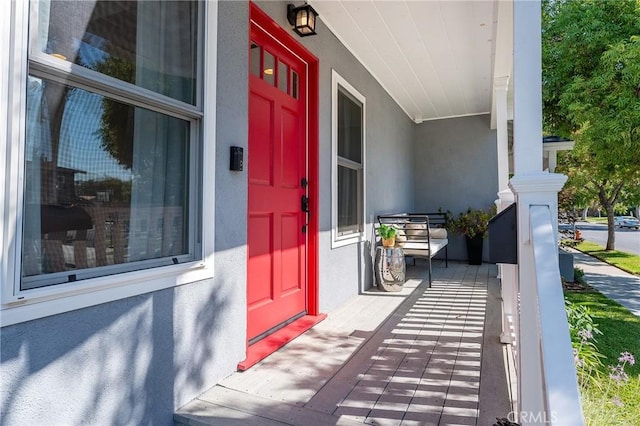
422,356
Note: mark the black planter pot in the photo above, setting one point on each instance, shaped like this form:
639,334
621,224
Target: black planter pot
474,249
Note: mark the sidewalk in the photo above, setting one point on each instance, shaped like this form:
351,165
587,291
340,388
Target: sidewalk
614,283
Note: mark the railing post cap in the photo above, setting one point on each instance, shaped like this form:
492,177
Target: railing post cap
537,182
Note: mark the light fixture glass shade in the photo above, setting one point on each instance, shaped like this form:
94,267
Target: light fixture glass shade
303,19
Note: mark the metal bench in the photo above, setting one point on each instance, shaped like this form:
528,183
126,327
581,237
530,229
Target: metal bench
420,235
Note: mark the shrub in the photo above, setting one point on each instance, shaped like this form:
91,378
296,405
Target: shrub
471,222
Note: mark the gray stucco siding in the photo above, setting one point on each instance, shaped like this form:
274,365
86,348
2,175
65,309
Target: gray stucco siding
455,168
125,362
135,360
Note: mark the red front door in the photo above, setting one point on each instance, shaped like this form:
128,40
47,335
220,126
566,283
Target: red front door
277,249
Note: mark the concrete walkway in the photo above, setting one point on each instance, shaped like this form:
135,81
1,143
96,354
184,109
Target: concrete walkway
424,356
614,283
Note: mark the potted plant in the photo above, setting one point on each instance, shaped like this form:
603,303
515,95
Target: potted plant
473,224
388,235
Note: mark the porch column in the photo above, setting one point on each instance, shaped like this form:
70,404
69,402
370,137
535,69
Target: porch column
507,273
527,87
532,186
500,85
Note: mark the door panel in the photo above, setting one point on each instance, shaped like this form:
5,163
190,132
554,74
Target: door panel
260,253
276,271
290,152
291,275
261,160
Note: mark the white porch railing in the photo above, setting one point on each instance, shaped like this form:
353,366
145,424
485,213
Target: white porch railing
560,400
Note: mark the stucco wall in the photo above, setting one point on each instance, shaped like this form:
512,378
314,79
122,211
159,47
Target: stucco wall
134,360
455,168
346,270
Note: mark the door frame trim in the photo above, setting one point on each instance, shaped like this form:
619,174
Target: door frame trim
260,18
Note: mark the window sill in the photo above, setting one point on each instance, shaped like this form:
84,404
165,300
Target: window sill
343,241
96,291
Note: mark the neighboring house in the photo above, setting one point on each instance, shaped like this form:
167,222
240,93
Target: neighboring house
165,264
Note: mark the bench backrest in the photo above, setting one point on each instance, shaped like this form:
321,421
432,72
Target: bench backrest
415,226
436,220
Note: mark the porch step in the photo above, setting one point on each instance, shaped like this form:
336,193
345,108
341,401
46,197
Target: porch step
229,407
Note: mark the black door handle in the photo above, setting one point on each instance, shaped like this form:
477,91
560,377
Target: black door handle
304,206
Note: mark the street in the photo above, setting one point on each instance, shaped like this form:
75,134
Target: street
627,240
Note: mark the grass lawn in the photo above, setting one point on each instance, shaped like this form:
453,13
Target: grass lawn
626,261
621,333
592,219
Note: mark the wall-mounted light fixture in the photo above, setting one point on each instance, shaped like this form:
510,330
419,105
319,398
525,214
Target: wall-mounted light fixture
303,19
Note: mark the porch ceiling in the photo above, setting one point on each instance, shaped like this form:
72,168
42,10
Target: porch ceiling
437,59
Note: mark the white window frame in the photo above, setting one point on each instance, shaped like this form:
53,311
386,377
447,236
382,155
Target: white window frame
24,305
337,83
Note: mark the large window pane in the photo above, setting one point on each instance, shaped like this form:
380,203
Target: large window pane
349,127
149,43
106,183
348,200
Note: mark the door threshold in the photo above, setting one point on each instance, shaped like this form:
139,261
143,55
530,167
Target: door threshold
265,347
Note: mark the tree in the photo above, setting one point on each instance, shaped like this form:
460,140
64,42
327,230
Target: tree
591,93
117,123
574,195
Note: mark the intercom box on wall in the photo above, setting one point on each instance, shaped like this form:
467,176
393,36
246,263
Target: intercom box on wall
237,160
